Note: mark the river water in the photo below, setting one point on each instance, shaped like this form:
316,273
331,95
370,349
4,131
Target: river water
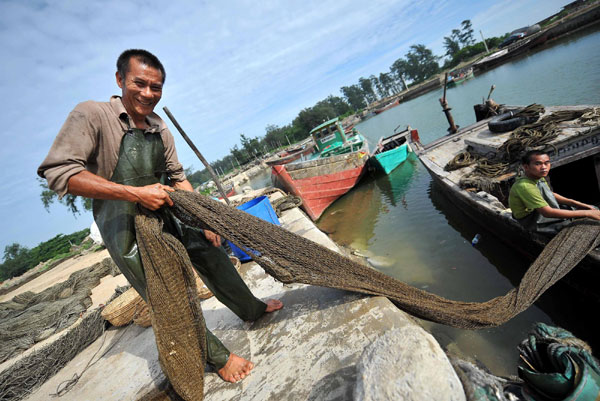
412,232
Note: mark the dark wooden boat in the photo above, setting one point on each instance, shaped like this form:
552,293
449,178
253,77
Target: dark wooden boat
574,153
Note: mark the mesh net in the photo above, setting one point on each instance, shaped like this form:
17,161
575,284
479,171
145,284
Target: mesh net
32,317
293,259
290,258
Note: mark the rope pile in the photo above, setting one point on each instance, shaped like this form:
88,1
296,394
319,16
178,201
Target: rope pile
540,133
287,202
590,118
463,159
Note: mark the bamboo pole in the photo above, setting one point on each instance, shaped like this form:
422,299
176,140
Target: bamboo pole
197,152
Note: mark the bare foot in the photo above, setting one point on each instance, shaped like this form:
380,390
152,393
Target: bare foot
235,369
273,305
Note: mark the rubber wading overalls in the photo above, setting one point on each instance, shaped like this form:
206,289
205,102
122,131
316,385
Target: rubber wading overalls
545,225
142,162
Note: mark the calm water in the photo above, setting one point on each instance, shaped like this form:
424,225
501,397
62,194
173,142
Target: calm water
412,232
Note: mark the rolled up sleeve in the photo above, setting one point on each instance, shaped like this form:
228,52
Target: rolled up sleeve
70,151
174,168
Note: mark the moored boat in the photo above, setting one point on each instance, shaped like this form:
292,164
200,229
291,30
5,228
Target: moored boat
332,170
290,154
393,150
459,76
457,164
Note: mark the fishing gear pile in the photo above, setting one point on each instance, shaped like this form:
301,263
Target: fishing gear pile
29,318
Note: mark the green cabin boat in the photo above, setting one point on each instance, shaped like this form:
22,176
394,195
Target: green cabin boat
331,139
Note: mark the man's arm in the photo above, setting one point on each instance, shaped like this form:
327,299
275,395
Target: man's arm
93,186
213,238
548,211
184,185
572,202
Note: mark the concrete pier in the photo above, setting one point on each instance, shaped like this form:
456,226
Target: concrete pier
308,350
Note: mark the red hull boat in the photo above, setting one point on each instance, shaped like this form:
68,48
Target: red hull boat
320,182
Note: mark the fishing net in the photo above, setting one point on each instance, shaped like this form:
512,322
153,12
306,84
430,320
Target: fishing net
171,286
289,258
29,317
293,259
30,372
23,377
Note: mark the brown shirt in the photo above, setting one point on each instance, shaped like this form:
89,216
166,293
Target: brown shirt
90,139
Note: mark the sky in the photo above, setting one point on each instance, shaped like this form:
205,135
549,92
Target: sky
232,67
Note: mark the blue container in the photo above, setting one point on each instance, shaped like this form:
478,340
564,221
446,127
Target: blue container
261,208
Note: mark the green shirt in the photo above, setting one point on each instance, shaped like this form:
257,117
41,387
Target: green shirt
525,197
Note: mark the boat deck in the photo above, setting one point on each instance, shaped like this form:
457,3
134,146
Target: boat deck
573,141
576,148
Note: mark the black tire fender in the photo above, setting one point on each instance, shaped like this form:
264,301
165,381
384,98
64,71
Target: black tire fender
506,122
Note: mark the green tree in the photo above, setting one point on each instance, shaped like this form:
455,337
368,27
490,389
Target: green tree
367,88
421,63
386,83
354,96
14,251
466,34
48,197
399,71
452,43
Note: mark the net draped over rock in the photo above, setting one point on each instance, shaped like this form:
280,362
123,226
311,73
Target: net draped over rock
291,258
30,317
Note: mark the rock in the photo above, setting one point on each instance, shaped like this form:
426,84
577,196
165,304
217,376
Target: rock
406,364
380,261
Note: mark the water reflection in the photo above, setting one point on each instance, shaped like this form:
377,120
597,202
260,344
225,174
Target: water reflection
394,186
422,239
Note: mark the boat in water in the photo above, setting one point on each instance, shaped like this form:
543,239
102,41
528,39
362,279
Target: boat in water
336,165
459,76
476,167
393,150
292,153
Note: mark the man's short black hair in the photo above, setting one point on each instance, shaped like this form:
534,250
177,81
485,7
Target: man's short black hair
526,159
144,57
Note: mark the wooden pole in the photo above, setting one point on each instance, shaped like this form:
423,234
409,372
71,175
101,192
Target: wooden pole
453,128
485,44
197,152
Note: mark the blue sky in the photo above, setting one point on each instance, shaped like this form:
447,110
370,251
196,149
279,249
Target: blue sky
232,67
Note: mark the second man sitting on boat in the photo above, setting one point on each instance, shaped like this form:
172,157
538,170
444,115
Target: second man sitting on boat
536,206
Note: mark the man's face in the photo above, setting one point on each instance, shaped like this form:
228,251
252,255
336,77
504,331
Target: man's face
538,166
141,87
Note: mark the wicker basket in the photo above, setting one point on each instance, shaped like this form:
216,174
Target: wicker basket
142,316
122,309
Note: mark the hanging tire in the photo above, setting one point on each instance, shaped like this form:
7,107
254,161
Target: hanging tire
506,122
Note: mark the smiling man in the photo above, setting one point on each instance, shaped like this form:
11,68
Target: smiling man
536,206
120,153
